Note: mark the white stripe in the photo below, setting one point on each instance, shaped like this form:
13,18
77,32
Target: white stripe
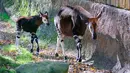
80,37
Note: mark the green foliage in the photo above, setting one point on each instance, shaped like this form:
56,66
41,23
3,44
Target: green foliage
9,48
23,9
7,61
25,57
13,24
5,70
4,17
47,34
8,3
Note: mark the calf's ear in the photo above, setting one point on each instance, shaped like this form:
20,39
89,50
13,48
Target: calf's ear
41,14
46,13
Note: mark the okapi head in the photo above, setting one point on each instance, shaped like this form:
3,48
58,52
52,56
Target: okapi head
45,18
92,27
92,21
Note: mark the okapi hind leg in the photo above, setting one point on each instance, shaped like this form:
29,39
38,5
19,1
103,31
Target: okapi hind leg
63,49
57,46
60,41
78,46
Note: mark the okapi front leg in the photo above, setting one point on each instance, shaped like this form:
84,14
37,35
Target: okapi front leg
32,39
63,49
18,34
78,46
36,40
17,41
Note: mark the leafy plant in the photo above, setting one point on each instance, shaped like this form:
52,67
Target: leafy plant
7,61
4,17
25,57
9,48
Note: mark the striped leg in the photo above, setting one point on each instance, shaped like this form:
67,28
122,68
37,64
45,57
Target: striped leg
57,46
34,37
32,40
36,40
79,46
17,41
62,46
60,41
56,19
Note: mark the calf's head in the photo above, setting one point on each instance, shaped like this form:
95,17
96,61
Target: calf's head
45,18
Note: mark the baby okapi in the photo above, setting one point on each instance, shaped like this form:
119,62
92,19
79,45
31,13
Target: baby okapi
71,22
30,24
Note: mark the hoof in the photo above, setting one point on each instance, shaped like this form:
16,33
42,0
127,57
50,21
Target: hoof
79,60
37,53
56,55
65,57
31,50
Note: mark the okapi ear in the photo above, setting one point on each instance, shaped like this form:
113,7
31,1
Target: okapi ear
41,14
46,13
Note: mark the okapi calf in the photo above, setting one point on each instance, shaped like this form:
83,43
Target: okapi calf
30,24
72,22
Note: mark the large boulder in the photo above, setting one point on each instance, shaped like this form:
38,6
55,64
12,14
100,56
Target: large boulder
113,40
43,67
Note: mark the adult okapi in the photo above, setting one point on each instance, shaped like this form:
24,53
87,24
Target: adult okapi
31,24
71,22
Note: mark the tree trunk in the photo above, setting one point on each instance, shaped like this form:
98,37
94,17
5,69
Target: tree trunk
29,5
2,9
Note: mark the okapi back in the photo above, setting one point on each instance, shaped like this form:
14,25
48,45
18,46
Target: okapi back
29,24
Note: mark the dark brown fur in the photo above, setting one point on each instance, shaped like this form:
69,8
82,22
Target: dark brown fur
72,22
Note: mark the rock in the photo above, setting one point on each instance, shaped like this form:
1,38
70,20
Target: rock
44,67
113,36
